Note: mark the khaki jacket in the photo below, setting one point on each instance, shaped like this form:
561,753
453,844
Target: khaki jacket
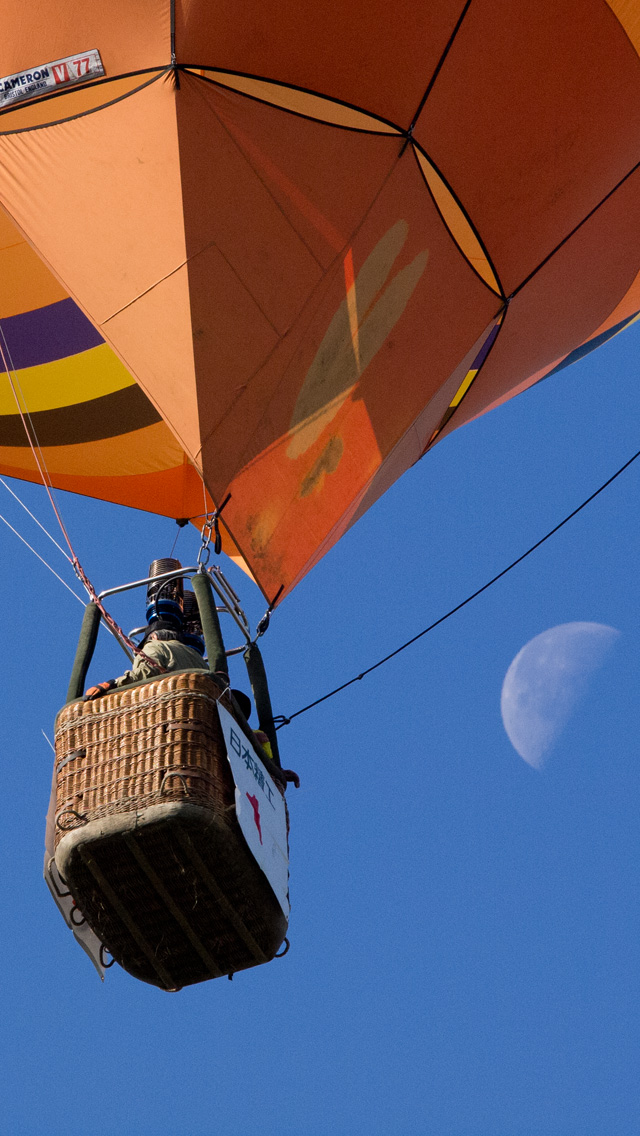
171,654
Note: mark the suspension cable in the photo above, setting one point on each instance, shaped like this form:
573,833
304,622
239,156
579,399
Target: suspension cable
283,720
35,519
30,432
41,465
42,560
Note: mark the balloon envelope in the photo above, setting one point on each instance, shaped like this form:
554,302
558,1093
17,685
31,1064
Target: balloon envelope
281,248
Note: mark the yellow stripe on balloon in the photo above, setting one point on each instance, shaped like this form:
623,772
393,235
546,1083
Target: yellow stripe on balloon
65,382
463,388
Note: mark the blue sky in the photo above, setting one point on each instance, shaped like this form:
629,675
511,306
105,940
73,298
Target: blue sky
465,930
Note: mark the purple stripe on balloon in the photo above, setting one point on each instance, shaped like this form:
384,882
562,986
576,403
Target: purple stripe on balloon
484,350
37,337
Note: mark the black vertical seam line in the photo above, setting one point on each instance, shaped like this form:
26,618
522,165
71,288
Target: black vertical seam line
203,440
226,526
276,597
501,293
174,66
568,237
504,309
439,66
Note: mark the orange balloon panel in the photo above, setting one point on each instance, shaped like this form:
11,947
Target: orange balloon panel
98,433
129,35
281,249
377,56
411,296
545,318
533,120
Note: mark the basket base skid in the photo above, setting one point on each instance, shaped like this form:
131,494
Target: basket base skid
173,892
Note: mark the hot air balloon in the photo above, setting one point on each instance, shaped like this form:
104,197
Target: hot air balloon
167,833
265,256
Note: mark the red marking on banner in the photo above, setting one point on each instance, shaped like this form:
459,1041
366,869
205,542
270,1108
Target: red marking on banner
255,805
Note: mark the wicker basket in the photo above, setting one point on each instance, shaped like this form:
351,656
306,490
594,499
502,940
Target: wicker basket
147,838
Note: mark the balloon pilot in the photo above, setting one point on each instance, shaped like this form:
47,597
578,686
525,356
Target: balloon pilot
173,640
168,819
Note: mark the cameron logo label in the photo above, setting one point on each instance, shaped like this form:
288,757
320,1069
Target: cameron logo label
50,77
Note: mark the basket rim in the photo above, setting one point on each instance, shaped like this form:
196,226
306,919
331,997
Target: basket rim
267,762
129,822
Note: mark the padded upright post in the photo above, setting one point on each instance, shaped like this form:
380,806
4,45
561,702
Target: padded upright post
84,652
261,697
212,632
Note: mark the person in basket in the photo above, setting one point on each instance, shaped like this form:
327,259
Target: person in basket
163,644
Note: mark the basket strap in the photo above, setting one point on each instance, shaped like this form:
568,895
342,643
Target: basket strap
127,919
171,905
220,897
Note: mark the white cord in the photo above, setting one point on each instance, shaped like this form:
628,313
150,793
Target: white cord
42,560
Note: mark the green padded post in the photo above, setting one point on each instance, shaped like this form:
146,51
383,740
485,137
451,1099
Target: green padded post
260,688
84,652
213,640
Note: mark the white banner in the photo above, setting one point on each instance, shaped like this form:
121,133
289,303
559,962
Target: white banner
50,77
259,808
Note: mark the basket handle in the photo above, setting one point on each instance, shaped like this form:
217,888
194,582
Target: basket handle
72,813
181,777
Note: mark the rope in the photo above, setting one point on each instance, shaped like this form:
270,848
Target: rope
29,431
114,627
282,720
38,457
174,544
40,558
34,518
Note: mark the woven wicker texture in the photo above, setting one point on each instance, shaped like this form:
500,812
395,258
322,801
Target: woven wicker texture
147,837
139,746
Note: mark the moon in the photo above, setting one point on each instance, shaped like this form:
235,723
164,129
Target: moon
545,682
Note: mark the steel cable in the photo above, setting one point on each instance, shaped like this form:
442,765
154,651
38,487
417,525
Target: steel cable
284,720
